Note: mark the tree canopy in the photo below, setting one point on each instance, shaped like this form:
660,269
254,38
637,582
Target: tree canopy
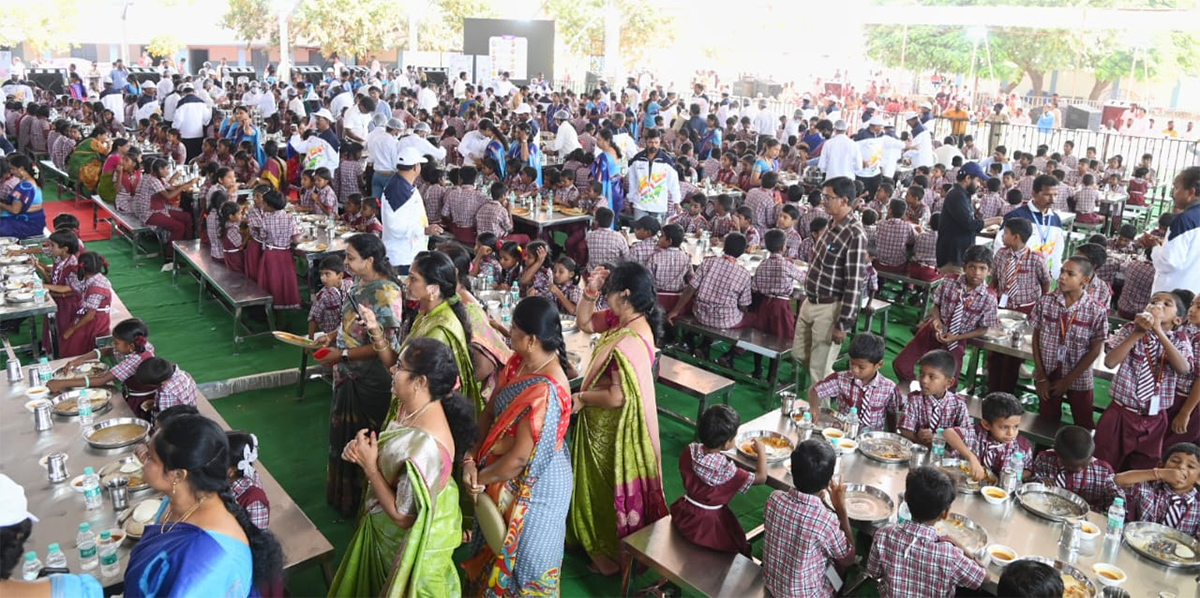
580,24
41,26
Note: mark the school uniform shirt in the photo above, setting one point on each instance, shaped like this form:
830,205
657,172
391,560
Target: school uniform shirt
1087,199
493,218
1145,382
911,560
1096,483
804,252
1062,193
373,226
61,150
1020,277
260,514
573,293
434,196
326,199
489,266
461,204
722,285
792,243
326,308
978,306
606,246
874,399
641,251
1139,281
146,189
753,237
994,455
671,269
801,537
806,219
1099,291
690,224
721,225
1158,503
776,276
892,238
761,202
991,205
928,412
179,389
1067,333
278,229
541,283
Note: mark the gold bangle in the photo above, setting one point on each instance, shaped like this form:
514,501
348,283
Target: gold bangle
379,349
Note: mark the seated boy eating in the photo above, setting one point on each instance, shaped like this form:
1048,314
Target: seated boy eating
935,406
910,559
1071,466
861,387
1167,494
801,536
992,441
711,480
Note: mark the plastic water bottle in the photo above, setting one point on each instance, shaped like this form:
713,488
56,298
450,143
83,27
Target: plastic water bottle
91,489
1116,518
55,559
514,293
938,449
903,515
108,556
85,411
32,567
852,424
86,540
44,371
1010,478
490,283
39,290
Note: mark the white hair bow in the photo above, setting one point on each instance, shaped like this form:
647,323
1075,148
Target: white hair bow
249,456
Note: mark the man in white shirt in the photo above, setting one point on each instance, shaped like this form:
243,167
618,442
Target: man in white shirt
503,87
839,154
170,101
764,123
191,116
460,86
946,152
267,104
417,140
472,147
165,86
653,182
566,140
922,141
146,104
342,100
357,119
426,98
382,151
406,227
295,104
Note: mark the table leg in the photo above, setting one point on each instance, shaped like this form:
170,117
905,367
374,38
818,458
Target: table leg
52,322
303,374
237,321
626,572
773,374
200,297
972,370
34,344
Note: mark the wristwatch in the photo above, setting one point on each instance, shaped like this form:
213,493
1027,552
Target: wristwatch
345,355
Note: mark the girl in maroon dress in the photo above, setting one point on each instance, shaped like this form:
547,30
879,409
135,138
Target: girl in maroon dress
91,318
64,244
254,224
711,480
277,270
232,240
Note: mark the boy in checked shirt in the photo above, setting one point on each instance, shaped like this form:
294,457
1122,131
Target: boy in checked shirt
605,245
911,559
1167,494
670,266
1071,466
893,237
721,288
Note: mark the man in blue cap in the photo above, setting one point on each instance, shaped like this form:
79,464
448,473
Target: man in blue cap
959,224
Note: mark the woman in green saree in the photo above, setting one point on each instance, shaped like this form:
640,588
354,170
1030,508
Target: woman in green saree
489,347
87,159
114,166
410,521
615,451
360,355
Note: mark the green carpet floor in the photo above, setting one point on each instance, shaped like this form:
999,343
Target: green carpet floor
292,432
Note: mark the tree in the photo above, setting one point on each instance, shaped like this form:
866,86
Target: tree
251,20
349,27
1109,55
41,26
442,29
581,25
164,44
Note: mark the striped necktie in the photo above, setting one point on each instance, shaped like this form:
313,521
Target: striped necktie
956,320
1175,511
1146,392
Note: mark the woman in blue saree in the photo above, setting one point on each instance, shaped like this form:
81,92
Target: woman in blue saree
607,169
710,139
497,147
202,543
525,150
21,214
243,129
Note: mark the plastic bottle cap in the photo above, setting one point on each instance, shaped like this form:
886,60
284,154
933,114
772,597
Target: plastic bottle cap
53,547
89,471
31,556
84,527
1119,501
105,535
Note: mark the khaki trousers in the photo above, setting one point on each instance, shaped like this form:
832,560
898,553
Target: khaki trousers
813,343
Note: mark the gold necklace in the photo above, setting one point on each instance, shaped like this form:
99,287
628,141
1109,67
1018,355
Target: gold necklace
189,512
538,368
405,420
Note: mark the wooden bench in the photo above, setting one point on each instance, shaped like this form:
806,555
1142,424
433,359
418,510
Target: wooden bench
755,341
708,572
927,285
126,226
692,381
236,289
61,179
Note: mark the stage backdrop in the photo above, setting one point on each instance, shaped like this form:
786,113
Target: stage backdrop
524,48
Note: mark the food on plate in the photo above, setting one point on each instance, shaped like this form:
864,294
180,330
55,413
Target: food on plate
996,493
776,447
117,434
321,246
1073,588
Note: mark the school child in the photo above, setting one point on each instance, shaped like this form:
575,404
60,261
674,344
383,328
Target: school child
566,194
245,168
211,233
90,318
876,399
923,265
1021,273
1063,192
991,202
130,347
68,222
722,221
565,288
526,184
169,384
370,217
670,266
893,238
1151,355
988,444
243,479
434,192
1166,494
1139,280
692,219
786,222
1087,202
711,480
511,256
883,197
924,194
804,227
326,201
1155,235
934,406
1071,465
721,289
308,192
350,172
485,263
604,245
727,175
773,283
1014,201
1097,289
61,282
1183,415
916,211
743,222
963,309
801,537
816,229
1125,240
277,269
325,314
1112,184
646,231
911,558
493,216
352,216
1032,579
868,219
231,238
536,276
1138,186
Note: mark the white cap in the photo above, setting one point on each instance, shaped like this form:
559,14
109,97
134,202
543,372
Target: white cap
378,119
911,115
410,156
395,124
876,121
323,113
926,106
840,125
14,508
149,85
422,127
523,109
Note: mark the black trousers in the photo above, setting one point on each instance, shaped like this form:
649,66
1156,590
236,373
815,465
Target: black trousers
872,185
193,147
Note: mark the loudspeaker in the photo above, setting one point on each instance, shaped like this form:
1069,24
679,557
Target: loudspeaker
1113,113
437,75
311,74
237,72
1082,117
141,73
51,79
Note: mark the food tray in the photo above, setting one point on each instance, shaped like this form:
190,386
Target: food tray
67,403
19,297
102,436
137,480
312,246
885,447
866,504
959,471
1076,583
17,270
1051,502
970,535
775,454
90,369
295,339
1151,541
569,211
9,260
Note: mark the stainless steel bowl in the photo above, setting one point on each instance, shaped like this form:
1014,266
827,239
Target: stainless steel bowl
76,395
89,434
780,455
1067,571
